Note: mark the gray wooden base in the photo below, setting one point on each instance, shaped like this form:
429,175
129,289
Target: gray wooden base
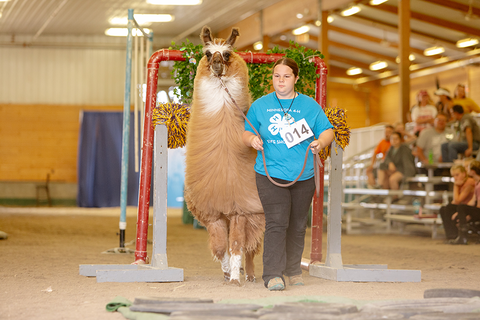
333,269
158,270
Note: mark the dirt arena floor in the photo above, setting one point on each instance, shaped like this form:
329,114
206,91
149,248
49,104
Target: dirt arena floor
39,265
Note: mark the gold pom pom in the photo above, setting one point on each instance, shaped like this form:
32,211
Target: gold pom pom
175,117
338,118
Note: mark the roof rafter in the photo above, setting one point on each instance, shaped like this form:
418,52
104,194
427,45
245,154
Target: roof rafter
432,20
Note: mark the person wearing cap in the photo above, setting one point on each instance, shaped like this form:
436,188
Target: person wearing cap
467,136
431,139
423,114
445,103
459,97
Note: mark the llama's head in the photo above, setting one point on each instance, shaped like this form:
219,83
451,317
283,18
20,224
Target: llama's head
218,51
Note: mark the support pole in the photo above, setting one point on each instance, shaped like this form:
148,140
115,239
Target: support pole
126,133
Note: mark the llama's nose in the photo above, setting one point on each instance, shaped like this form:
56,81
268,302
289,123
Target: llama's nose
217,64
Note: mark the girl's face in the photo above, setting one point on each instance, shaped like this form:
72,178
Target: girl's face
458,176
395,140
424,100
284,81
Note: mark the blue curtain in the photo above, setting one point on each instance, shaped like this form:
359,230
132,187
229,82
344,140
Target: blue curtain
99,161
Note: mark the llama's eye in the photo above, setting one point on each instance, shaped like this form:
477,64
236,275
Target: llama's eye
226,55
209,55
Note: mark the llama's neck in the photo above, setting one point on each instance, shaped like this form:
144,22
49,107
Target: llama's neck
213,96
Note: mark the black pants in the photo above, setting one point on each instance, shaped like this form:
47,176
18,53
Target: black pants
450,226
464,211
286,213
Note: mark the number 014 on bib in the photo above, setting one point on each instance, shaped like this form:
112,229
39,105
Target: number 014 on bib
296,133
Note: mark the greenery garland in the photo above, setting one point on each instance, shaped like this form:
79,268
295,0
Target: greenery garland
260,73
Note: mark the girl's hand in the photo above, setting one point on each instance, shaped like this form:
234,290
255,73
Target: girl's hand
256,143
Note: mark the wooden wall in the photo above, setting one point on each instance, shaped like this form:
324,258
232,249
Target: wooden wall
40,139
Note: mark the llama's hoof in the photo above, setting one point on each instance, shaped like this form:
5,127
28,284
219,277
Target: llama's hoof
226,276
241,270
235,282
250,278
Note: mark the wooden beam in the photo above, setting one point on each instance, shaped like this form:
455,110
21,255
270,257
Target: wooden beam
455,6
392,27
351,62
366,52
404,71
432,20
370,38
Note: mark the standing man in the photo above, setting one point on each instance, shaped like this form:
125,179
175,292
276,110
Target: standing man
382,148
431,139
467,136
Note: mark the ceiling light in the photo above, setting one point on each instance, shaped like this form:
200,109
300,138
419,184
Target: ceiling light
258,45
175,2
123,32
378,65
318,23
283,37
468,42
354,71
330,19
350,11
299,16
301,30
433,51
377,2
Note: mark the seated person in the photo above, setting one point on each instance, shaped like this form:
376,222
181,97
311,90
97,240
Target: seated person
463,187
430,140
459,97
466,139
445,102
470,211
398,164
423,112
408,138
382,148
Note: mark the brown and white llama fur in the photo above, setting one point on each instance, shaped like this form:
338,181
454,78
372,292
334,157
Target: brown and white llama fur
220,187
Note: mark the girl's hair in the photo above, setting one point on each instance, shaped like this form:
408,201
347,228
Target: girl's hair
458,167
475,166
289,63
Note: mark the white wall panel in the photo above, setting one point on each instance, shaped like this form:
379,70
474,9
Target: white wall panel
38,75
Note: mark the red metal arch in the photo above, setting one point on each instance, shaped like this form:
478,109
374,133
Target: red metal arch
147,149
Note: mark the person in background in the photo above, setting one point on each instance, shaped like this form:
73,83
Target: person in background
408,138
466,139
286,208
382,148
469,212
430,140
423,113
463,188
460,98
398,164
445,102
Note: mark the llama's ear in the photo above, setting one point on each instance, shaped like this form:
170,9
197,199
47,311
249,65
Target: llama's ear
206,35
233,36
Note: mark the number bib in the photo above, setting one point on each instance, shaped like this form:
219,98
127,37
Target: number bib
296,133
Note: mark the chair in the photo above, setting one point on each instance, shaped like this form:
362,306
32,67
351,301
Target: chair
43,192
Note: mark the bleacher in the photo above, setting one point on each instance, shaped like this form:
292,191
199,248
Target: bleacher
375,210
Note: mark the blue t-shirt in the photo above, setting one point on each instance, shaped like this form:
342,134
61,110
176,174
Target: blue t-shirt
268,118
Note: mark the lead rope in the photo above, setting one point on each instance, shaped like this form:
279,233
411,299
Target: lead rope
317,163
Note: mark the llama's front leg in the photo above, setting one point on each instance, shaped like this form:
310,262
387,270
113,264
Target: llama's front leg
237,245
218,231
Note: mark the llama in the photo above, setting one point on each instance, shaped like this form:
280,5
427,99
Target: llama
220,187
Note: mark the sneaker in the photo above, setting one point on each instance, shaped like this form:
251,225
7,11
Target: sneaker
276,284
296,280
